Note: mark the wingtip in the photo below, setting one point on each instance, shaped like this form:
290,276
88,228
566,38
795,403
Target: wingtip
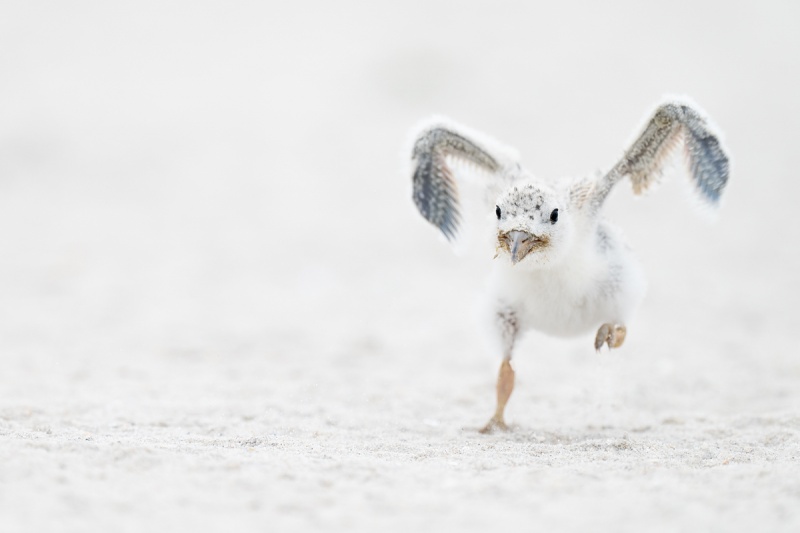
709,164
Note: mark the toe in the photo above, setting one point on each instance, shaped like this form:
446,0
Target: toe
603,336
495,424
617,336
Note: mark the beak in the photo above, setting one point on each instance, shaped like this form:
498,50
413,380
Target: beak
520,244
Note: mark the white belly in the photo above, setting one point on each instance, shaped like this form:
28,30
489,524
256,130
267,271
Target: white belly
585,290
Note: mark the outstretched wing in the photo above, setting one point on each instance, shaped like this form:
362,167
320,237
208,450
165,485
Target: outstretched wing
673,124
439,146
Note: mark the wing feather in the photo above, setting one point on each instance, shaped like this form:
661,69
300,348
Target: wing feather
436,187
673,123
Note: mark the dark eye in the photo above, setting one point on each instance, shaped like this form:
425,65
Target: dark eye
497,211
554,216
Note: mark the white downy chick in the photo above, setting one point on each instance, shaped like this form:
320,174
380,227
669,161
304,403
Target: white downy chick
560,267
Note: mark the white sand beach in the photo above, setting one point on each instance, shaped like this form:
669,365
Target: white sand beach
220,310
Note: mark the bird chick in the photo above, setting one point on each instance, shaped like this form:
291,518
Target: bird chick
561,268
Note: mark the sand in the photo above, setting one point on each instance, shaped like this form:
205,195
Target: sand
219,309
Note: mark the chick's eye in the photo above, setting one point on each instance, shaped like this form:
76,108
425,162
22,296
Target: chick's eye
554,216
497,211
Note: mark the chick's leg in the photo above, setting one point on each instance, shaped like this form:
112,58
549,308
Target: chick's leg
612,335
507,327
505,385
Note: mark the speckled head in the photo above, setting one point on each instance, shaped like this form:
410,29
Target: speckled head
533,226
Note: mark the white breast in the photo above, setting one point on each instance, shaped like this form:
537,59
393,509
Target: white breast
591,286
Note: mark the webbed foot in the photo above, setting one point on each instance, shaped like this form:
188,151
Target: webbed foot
495,424
612,335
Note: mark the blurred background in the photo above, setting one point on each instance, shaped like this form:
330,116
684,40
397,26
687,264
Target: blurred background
194,188
187,175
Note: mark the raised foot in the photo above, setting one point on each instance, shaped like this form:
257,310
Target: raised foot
495,424
612,335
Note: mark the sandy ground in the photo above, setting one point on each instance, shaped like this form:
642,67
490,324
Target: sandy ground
219,309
